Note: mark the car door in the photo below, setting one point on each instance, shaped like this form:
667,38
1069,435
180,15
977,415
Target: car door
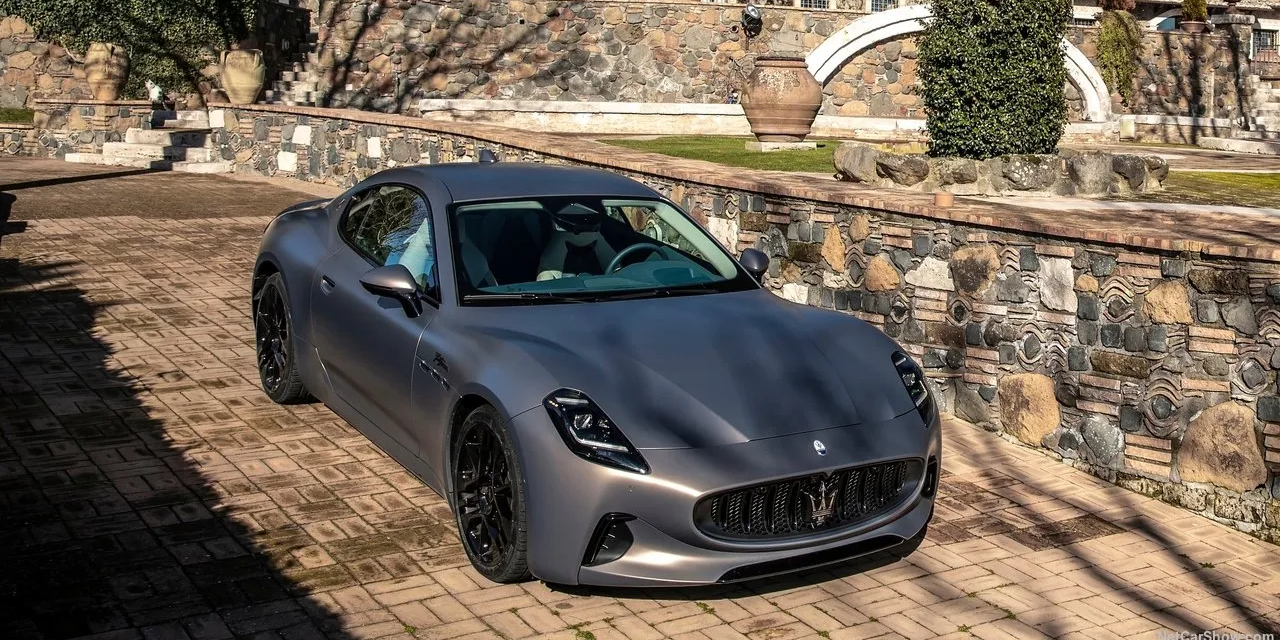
367,342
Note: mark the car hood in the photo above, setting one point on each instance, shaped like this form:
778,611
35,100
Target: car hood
704,370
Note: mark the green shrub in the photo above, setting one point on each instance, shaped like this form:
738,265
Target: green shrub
993,76
1195,10
169,41
1119,46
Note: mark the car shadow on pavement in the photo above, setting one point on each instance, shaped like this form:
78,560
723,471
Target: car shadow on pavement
109,521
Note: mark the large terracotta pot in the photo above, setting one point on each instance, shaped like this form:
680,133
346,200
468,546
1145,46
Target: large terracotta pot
781,99
243,74
106,67
1192,26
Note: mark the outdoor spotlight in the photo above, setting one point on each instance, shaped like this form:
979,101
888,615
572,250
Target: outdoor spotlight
752,22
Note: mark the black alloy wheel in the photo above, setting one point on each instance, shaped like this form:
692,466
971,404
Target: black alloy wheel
271,325
487,499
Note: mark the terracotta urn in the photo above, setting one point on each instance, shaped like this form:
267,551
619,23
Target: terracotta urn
243,74
106,68
1192,26
781,99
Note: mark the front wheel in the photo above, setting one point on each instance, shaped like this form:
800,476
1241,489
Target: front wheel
488,498
273,332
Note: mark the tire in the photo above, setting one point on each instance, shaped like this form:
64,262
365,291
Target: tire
496,514
273,339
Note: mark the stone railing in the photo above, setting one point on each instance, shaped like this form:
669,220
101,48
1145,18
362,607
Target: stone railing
1143,349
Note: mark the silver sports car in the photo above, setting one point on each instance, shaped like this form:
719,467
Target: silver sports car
603,394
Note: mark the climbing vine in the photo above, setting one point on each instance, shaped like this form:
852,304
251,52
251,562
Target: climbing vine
169,41
1119,48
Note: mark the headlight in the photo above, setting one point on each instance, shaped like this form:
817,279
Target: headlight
590,434
917,387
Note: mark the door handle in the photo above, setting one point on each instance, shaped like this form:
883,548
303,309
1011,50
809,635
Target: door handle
327,284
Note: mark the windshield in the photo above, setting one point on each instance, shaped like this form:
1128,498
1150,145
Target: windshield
585,248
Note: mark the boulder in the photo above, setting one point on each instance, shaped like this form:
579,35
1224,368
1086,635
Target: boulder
956,171
906,170
1221,448
1167,303
1057,285
1028,408
973,268
881,275
1106,442
1132,168
1030,172
857,163
1157,167
1091,173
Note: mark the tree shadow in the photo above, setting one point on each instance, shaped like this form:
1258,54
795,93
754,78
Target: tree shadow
114,514
1219,584
1186,61
455,57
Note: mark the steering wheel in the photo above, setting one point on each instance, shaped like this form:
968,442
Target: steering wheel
616,263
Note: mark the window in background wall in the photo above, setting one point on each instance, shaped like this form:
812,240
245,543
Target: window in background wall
1084,22
1263,40
815,4
883,5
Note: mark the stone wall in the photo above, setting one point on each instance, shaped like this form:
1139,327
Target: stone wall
1182,74
548,50
1155,369
31,69
83,126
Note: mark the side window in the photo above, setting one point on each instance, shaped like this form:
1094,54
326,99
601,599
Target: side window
392,225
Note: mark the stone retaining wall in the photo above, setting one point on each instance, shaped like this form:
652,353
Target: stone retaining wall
1154,369
83,126
31,69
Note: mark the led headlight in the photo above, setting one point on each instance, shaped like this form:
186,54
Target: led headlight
590,433
917,387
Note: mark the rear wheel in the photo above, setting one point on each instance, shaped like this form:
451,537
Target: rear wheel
488,498
273,331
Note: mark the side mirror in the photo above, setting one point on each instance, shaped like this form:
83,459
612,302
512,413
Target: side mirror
395,281
755,262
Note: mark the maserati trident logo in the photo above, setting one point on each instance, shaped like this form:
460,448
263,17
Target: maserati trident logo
819,447
822,501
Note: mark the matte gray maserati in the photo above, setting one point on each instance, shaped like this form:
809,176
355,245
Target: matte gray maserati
603,394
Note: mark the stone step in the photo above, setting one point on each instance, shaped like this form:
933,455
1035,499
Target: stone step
156,151
1260,147
196,119
117,161
219,166
168,137
1259,134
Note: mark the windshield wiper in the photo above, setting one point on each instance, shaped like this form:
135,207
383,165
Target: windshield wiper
660,292
524,295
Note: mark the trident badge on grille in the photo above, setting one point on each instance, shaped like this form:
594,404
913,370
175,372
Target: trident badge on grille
823,504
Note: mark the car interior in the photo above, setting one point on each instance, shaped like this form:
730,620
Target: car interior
519,242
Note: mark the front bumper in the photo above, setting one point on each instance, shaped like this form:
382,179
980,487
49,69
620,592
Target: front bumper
568,496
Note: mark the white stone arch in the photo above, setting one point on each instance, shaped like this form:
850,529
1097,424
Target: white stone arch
1154,23
827,59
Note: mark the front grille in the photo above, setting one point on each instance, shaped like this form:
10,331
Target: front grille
808,504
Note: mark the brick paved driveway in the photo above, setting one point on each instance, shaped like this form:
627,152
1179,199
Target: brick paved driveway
149,490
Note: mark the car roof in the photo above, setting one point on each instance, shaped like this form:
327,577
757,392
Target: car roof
468,181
